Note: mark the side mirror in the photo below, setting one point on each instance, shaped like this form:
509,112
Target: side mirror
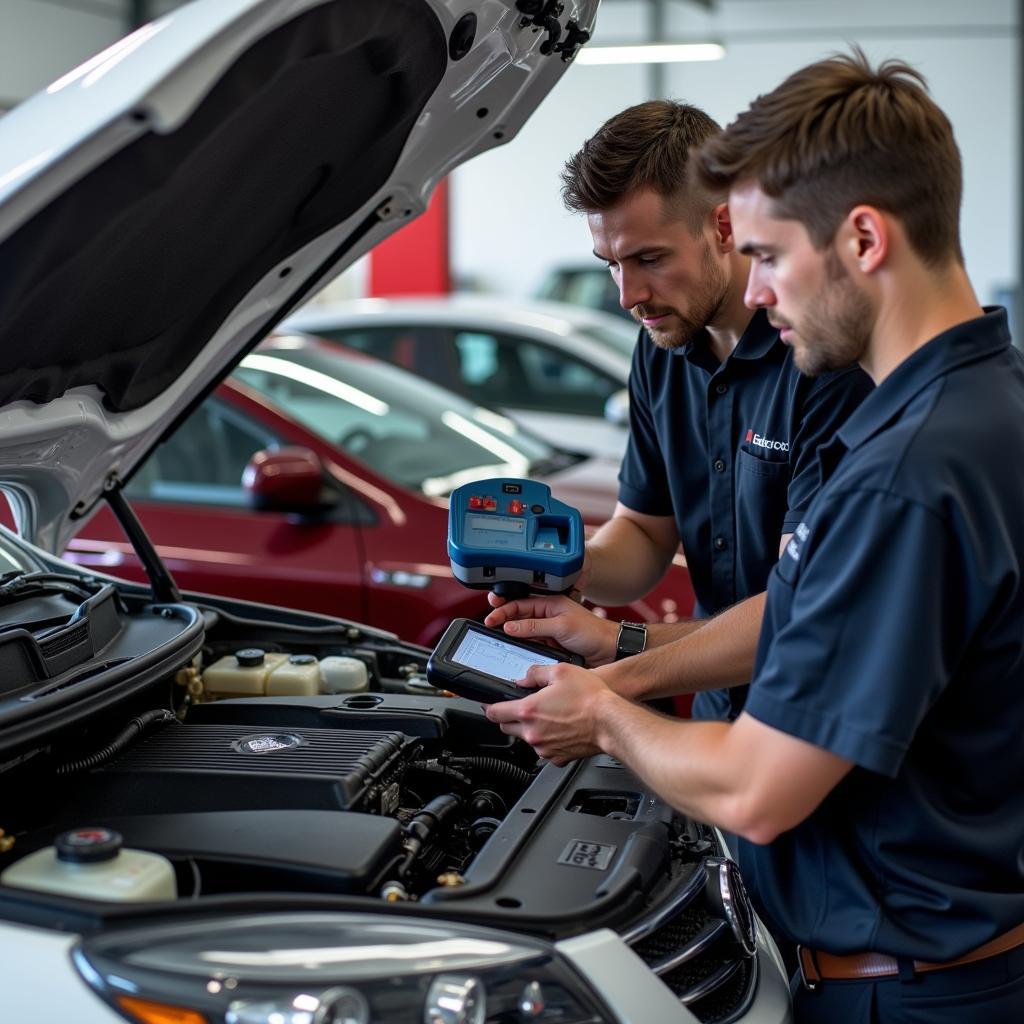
286,480
616,408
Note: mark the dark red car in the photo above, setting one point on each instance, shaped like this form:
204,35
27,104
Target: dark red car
316,478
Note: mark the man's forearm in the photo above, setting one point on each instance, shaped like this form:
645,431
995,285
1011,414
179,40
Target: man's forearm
743,776
682,761
710,654
625,563
659,634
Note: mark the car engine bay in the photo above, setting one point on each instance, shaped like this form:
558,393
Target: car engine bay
394,794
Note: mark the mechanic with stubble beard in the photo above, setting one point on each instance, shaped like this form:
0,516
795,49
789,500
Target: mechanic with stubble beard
724,429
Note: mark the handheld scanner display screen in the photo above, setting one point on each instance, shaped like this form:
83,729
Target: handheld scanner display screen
483,664
496,657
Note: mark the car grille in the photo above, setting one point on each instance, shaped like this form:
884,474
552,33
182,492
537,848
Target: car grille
695,955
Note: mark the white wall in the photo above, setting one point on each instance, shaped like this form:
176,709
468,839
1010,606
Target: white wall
508,225
40,40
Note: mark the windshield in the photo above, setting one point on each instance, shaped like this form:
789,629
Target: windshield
408,430
15,554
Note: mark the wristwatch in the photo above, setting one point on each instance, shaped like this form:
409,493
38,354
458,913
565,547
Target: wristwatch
632,639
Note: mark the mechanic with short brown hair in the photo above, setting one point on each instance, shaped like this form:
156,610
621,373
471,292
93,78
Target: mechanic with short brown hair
724,429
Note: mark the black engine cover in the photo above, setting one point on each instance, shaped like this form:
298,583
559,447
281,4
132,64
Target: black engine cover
228,767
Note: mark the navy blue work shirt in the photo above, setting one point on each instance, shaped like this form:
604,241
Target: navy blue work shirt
729,449
894,637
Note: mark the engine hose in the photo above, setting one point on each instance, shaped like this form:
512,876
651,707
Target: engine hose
135,728
426,821
494,766
439,768
424,824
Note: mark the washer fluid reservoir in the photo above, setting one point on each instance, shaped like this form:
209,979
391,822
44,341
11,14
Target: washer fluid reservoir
343,675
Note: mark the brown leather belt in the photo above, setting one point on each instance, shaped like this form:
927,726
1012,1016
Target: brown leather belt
817,966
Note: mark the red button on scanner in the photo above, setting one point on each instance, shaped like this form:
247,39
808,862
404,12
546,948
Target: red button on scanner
515,508
490,505
476,501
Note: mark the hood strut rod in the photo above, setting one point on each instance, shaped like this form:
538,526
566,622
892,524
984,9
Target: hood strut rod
165,590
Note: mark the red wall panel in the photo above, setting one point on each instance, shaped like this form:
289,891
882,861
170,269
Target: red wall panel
414,260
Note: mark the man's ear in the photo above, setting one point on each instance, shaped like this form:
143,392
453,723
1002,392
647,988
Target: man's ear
863,238
722,224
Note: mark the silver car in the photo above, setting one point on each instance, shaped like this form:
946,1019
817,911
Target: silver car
558,369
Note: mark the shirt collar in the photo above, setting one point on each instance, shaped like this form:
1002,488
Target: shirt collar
756,341
965,343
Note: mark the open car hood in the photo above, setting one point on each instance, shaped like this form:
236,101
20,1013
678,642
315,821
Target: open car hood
168,202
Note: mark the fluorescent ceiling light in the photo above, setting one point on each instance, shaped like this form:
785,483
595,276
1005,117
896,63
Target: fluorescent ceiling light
650,53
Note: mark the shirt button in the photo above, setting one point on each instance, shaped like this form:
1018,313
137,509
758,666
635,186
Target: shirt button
721,388
719,543
719,466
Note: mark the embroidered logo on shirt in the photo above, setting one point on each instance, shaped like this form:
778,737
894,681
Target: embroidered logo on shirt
800,534
765,442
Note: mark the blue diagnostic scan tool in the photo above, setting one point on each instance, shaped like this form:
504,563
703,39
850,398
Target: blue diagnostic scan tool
511,536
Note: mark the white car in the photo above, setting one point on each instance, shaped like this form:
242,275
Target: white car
219,812
560,370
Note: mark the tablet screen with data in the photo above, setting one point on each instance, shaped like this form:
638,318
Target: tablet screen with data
483,664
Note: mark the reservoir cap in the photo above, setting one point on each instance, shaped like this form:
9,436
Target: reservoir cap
88,845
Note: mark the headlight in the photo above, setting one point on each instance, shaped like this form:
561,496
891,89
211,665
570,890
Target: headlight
332,969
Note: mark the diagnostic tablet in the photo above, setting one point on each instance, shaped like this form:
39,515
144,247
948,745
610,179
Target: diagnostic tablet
483,664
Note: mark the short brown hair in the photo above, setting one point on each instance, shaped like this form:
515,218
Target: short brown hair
646,146
838,133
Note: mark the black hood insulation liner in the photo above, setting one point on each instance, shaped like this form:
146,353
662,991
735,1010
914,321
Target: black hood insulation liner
122,281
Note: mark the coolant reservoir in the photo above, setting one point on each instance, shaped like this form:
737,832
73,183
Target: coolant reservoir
242,674
343,675
89,863
252,672
297,676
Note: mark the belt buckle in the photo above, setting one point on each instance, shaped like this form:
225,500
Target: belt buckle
809,976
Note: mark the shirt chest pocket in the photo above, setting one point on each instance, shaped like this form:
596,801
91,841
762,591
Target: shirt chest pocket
767,471
762,495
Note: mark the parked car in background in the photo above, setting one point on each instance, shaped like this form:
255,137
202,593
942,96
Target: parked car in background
559,370
368,454
585,284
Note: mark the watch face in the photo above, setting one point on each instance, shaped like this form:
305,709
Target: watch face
632,639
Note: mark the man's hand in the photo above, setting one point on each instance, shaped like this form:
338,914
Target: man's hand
559,619
561,719
744,776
